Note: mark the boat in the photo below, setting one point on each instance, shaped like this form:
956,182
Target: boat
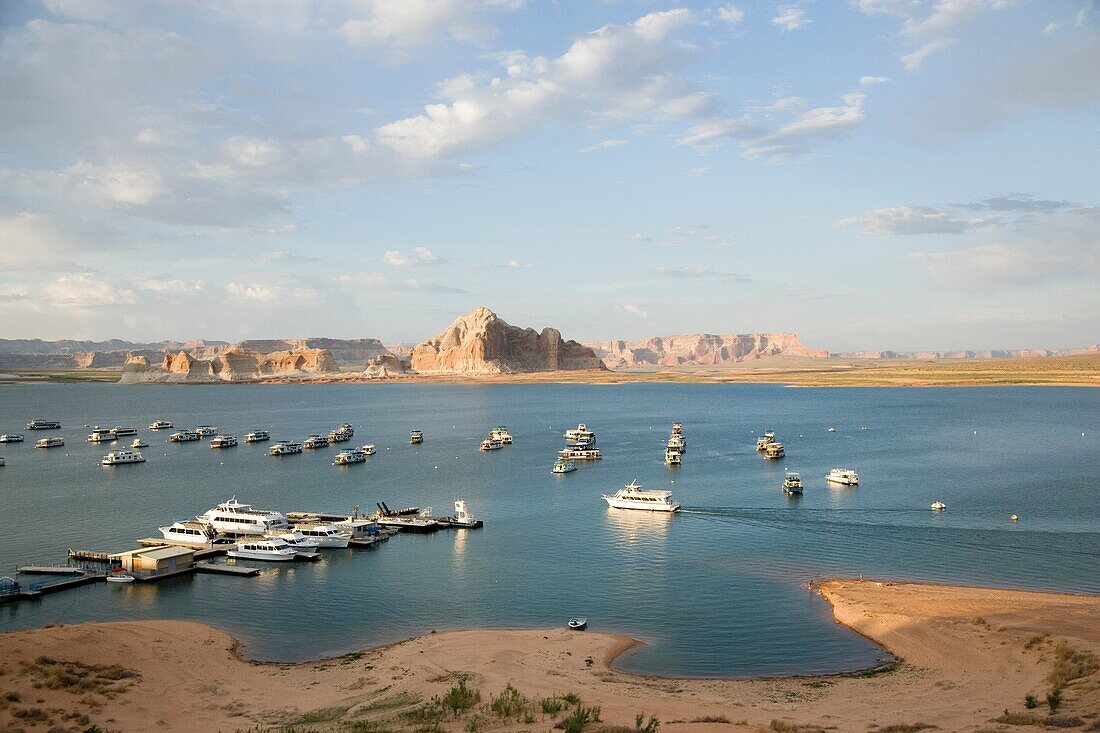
120,432
120,578
159,425
315,441
563,466
324,534
284,448
50,443
1,460
774,451
578,624
184,436
295,539
407,520
673,456
345,457
677,437
633,496
792,482
101,435
832,430
844,476
189,532
501,433
490,444
368,449
224,441
233,517
11,438
271,550
138,443
205,430
767,438
416,437
938,506
118,457
580,452
257,436
43,425
339,435
578,433
462,518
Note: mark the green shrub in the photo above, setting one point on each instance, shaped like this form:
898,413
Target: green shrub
651,727
509,704
1030,702
1054,700
1071,664
460,698
580,717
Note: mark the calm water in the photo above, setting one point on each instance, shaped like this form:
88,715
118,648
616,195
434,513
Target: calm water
716,590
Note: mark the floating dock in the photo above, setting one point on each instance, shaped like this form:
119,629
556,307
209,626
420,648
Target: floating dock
219,569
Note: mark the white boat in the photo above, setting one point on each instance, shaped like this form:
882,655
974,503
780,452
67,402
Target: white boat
205,430
938,506
43,425
792,482
118,457
563,466
159,425
832,430
233,517
673,456
257,436
102,435
295,539
190,532
315,441
845,476
11,438
120,432
490,444
272,550
340,435
184,436
676,439
224,441
578,433
762,442
501,433
774,451
324,534
120,578
346,457
578,624
633,496
50,443
138,443
462,518
285,448
368,449
416,437
580,452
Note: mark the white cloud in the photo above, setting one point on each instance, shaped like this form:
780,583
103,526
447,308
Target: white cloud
907,220
418,256
697,171
284,256
700,273
603,145
731,14
1082,14
870,81
170,286
914,59
633,310
84,290
1052,27
250,151
790,18
639,238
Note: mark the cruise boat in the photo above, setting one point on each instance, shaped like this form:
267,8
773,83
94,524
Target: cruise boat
138,443
633,496
462,518
501,433
938,506
101,435
120,432
272,550
580,452
190,532
184,436
673,456
345,457
43,425
50,443
224,441
774,451
233,517
205,430
579,433
416,437
339,435
765,440
257,436
324,534
563,466
490,444
159,425
11,438
285,448
118,457
315,441
792,482
295,539
368,449
844,476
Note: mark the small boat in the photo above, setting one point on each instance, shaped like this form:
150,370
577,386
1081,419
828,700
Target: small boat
1013,518
792,482
257,436
462,518
633,496
490,444
843,476
774,451
118,457
368,449
184,436
50,443
43,425
501,433
120,578
938,506
578,433
763,442
832,430
159,425
416,437
138,443
120,432
11,438
314,442
205,430
563,466
224,441
578,624
284,448
346,457
271,550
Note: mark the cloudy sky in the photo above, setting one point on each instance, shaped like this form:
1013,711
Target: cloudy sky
905,174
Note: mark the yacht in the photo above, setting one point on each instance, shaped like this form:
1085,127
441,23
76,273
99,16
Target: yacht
792,482
490,444
416,437
579,433
224,441
563,466
673,457
159,425
462,518
845,476
284,448
501,433
190,532
101,435
205,430
118,457
295,539
765,440
938,506
11,438
233,517
50,443
120,432
184,436
257,436
324,534
339,435
315,441
43,425
275,550
580,452
774,451
138,443
345,457
368,449
634,496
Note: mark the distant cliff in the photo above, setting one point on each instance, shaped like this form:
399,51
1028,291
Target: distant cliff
702,349
236,364
979,354
480,342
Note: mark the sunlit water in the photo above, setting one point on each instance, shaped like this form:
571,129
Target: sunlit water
719,589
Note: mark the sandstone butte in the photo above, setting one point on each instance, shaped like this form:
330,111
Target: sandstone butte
701,349
236,364
482,343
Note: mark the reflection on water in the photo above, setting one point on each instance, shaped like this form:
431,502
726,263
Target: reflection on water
634,526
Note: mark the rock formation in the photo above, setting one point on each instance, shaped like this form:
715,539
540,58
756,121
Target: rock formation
235,364
384,366
481,343
701,349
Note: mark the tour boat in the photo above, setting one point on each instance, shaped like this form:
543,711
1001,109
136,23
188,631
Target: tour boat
578,624
673,456
580,452
257,436
11,438
501,433
792,482
295,539
184,436
102,435
345,457
138,443
579,433
118,457
224,441
416,437
324,534
633,496
938,506
272,550
563,466
845,476
43,425
120,432
190,532
233,517
762,442
490,444
315,441
205,430
339,435
462,518
284,448
50,443
368,449
159,425
774,451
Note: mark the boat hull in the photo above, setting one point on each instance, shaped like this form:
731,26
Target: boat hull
264,556
639,506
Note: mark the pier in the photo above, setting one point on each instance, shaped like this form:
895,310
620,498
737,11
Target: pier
219,569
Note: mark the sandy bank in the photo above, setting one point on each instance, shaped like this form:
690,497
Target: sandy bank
967,654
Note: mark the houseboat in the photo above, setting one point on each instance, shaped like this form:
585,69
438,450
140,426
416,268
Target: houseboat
159,425
843,476
50,443
285,448
416,437
118,457
43,425
257,436
224,441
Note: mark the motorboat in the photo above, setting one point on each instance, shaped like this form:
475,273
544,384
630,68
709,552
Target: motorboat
205,430
284,448
11,438
416,437
257,436
43,425
563,466
184,436
938,506
120,432
138,443
462,518
189,532
346,457
224,441
118,457
120,578
673,456
490,444
774,451
314,442
578,624
844,476
49,443
368,449
792,482
295,539
102,435
233,517
578,433
324,534
262,549
501,433
633,496
763,441
832,430
159,425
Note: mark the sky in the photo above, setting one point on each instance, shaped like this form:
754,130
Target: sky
872,174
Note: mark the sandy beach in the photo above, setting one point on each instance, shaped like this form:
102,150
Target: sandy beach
965,655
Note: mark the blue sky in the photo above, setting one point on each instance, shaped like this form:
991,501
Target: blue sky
873,174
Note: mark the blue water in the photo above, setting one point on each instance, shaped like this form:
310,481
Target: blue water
716,590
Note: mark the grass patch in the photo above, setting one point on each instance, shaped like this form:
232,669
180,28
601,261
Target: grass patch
579,718
1036,641
779,726
80,678
1071,664
710,719
1009,718
460,698
1062,721
510,703
980,621
322,715
904,728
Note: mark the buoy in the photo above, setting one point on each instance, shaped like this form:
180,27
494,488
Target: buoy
1014,518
